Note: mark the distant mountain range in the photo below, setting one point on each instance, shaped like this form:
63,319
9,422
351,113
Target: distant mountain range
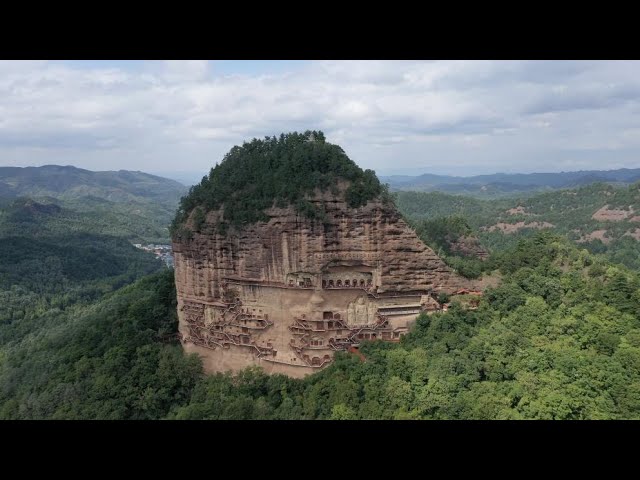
501,184
136,205
67,182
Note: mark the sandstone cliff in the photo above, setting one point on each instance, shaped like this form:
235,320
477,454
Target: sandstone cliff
374,235
287,291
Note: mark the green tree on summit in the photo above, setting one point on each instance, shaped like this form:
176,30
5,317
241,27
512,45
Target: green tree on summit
277,172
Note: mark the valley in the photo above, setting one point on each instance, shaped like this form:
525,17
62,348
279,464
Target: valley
338,240
502,185
56,199
89,323
599,217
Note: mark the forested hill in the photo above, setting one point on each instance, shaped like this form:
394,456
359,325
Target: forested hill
28,218
71,183
503,184
277,172
558,339
599,217
55,199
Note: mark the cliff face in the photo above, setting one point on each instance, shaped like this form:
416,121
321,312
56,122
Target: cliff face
289,292
374,236
469,246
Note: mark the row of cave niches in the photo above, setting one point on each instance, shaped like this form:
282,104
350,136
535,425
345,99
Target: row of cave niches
347,284
216,335
379,330
309,334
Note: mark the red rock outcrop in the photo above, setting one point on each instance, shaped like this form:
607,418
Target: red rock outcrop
289,292
469,246
514,227
612,214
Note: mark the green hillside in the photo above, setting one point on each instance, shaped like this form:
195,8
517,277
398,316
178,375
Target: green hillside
88,323
558,339
505,185
69,183
113,358
134,205
276,172
500,223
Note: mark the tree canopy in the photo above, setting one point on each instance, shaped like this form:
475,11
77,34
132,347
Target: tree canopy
274,171
570,212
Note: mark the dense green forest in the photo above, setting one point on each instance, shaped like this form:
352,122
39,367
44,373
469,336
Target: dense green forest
558,339
133,205
48,217
40,279
441,233
568,211
88,323
61,259
275,171
113,359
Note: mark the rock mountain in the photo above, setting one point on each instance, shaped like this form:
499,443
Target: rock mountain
329,263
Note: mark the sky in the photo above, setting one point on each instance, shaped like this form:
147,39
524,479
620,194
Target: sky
179,118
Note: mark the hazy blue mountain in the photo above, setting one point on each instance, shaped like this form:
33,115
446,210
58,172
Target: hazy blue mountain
187,178
506,183
68,183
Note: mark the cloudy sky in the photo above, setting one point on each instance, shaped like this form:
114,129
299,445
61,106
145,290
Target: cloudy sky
404,117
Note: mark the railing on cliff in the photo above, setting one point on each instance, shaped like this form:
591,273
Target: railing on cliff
216,336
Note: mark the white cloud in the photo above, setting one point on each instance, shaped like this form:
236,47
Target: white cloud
445,117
